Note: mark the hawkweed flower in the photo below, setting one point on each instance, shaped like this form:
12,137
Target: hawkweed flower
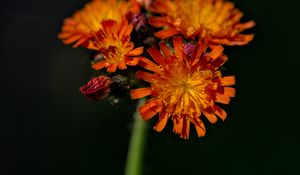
183,87
113,41
97,88
81,27
215,21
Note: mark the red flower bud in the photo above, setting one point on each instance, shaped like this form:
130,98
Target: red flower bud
97,88
188,49
139,21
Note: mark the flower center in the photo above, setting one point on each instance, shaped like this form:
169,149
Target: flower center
114,52
185,93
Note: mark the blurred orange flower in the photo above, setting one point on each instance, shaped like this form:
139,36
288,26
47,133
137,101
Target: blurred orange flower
79,29
216,21
113,41
183,87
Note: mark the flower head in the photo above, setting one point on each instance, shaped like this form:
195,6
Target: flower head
215,21
113,41
97,88
183,87
80,28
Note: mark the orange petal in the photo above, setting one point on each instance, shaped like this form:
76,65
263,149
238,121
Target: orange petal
222,98
122,66
200,128
158,21
185,129
156,55
150,109
177,128
90,45
147,64
165,49
247,25
128,30
210,116
244,39
218,62
229,91
240,39
109,26
70,21
228,81
220,112
161,123
100,65
216,52
132,61
144,76
163,34
178,46
122,31
161,6
200,49
72,39
64,35
112,68
68,28
80,42
136,51
140,93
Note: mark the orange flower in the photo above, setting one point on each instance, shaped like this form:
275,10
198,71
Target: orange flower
184,87
113,41
216,21
79,29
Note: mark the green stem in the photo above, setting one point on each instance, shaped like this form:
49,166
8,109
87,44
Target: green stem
134,164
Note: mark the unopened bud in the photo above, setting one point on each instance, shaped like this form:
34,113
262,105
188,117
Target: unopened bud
188,48
139,21
97,88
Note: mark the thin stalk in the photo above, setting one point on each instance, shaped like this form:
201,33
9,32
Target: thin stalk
134,164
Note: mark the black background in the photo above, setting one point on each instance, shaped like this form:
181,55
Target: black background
48,127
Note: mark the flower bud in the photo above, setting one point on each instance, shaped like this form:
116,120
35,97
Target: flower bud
139,21
97,88
188,48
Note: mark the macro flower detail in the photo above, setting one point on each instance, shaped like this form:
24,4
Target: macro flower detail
97,88
184,87
215,21
113,41
81,27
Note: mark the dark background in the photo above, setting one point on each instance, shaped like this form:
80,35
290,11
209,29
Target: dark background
48,127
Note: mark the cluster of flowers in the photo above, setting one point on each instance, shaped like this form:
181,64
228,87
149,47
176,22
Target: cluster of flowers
183,41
